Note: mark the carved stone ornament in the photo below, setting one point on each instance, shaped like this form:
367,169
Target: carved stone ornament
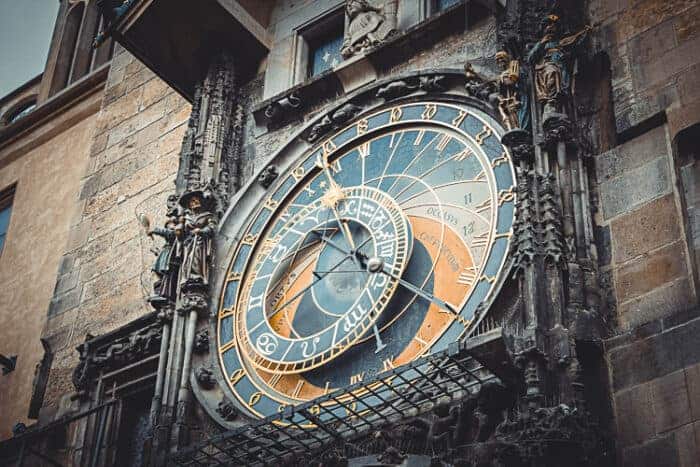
368,25
227,410
205,378
201,342
276,110
268,175
332,121
118,353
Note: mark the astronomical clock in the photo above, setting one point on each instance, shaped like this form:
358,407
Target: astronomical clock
373,248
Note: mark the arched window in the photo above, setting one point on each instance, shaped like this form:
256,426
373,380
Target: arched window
19,110
67,47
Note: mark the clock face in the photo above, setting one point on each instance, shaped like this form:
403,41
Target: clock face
373,250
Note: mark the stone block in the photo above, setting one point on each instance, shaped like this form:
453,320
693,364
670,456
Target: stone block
635,187
688,24
682,117
647,359
153,91
90,187
653,43
688,451
645,14
666,300
666,65
66,282
634,415
650,271
643,106
66,264
603,244
656,453
64,302
646,228
692,376
632,154
670,401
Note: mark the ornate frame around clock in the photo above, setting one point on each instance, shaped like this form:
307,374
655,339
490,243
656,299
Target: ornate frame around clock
438,86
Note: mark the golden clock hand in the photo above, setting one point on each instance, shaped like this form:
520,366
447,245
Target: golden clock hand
378,266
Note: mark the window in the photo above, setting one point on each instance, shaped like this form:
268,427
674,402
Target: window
325,54
436,6
5,211
318,45
21,112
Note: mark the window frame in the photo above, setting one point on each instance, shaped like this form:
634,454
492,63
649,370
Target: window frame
311,32
7,198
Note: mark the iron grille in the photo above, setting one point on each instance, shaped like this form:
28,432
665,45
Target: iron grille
346,415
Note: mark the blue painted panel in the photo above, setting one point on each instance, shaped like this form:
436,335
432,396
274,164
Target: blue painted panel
326,55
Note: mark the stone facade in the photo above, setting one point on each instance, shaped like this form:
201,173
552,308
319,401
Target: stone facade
118,150
105,275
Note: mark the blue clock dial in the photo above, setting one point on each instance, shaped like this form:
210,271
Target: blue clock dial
375,248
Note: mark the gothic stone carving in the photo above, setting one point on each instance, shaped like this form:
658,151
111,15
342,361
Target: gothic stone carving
276,110
332,121
195,230
121,352
167,262
201,342
227,410
268,175
368,25
205,377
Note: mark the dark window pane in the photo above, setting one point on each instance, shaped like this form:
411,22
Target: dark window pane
4,219
2,241
445,4
325,54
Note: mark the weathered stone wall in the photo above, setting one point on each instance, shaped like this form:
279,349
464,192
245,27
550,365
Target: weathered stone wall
46,183
104,275
646,200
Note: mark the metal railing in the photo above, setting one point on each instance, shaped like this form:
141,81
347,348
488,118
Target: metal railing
333,421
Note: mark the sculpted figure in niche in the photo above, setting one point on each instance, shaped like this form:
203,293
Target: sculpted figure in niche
368,25
550,58
168,261
195,231
512,98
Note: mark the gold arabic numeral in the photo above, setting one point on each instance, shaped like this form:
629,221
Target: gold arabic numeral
463,155
480,240
328,147
309,191
358,378
467,276
419,138
395,115
505,196
254,399
388,364
249,239
235,276
489,279
444,141
237,376
315,410
464,322
481,137
297,389
271,204
483,206
429,112
298,173
459,118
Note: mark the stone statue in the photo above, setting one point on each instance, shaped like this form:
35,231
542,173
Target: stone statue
512,98
195,231
367,25
550,58
168,261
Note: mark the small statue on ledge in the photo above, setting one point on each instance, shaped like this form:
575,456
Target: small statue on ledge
195,231
167,263
512,99
367,25
550,58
